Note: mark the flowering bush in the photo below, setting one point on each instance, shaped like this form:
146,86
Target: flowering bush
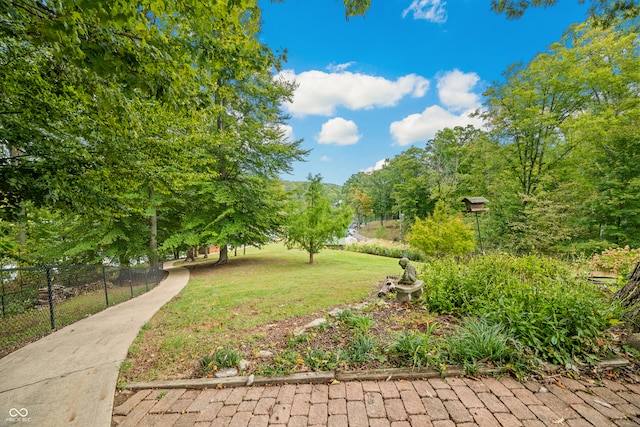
619,261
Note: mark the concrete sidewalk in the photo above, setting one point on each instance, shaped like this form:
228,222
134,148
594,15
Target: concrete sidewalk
68,378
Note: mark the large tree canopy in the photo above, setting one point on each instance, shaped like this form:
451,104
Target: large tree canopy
109,110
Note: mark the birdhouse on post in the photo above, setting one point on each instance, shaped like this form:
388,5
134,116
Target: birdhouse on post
475,204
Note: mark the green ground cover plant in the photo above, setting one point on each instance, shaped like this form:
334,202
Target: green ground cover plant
542,303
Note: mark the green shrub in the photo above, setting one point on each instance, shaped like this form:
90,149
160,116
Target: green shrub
538,301
387,249
442,233
561,325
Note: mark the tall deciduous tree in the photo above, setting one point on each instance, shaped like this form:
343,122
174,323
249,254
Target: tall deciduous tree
412,188
312,223
110,110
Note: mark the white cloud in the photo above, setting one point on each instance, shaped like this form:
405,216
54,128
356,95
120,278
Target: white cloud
424,126
458,102
454,90
338,131
325,159
430,10
320,93
287,132
340,67
379,165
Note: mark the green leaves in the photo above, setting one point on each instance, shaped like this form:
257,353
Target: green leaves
536,301
442,234
102,102
312,223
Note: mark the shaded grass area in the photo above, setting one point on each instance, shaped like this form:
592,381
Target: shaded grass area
222,303
23,328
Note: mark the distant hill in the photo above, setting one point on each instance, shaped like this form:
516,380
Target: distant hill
334,191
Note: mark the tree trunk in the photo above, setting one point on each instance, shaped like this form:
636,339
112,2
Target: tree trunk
224,255
14,156
310,257
153,231
190,254
629,295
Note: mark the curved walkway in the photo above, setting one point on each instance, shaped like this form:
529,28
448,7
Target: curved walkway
68,377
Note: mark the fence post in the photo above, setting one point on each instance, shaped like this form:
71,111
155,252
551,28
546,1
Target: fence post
146,279
130,282
2,284
104,280
52,316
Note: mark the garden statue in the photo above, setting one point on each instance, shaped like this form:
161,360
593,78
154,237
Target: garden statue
410,274
408,286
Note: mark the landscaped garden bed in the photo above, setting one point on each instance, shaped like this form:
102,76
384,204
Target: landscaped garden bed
514,314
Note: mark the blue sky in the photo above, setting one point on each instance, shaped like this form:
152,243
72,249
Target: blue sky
370,88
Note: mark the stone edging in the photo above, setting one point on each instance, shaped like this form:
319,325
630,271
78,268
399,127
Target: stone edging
330,376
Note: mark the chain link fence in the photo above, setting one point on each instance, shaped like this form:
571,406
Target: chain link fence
36,301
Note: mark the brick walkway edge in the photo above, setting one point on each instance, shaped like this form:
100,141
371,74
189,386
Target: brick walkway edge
438,402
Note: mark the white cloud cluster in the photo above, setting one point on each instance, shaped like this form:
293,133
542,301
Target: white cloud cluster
454,90
338,131
379,165
336,68
430,10
320,93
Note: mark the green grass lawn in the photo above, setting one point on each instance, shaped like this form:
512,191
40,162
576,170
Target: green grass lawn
221,303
